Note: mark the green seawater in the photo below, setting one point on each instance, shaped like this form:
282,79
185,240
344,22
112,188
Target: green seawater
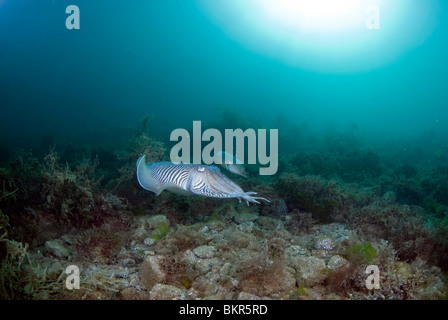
361,116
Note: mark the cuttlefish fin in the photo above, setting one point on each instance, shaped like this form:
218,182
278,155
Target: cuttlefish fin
145,179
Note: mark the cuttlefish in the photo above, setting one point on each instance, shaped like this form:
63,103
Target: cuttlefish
190,179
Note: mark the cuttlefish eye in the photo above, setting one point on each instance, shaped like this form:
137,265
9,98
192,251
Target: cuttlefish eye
201,169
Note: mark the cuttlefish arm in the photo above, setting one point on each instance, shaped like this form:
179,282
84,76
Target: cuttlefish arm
190,179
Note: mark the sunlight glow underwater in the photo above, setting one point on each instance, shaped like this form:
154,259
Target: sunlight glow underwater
326,35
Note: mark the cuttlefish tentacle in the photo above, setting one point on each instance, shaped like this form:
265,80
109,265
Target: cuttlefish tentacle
194,179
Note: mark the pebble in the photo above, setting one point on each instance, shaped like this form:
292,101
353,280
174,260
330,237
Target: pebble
156,221
204,252
140,234
324,243
310,270
247,296
127,262
56,248
390,196
246,227
245,217
149,241
166,292
152,271
295,250
271,223
336,262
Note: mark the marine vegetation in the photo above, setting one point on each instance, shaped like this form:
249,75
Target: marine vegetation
330,214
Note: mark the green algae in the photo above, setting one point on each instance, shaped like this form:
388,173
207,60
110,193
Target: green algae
160,232
361,253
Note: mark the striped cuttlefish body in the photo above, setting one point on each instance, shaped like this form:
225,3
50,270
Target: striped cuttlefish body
193,179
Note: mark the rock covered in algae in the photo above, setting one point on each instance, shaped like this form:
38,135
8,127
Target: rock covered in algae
336,262
204,252
247,296
57,248
152,271
166,292
153,222
324,243
310,270
201,259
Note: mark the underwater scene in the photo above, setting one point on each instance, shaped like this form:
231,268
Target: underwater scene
223,150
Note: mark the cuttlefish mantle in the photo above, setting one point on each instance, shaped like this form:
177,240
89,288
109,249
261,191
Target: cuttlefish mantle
193,179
